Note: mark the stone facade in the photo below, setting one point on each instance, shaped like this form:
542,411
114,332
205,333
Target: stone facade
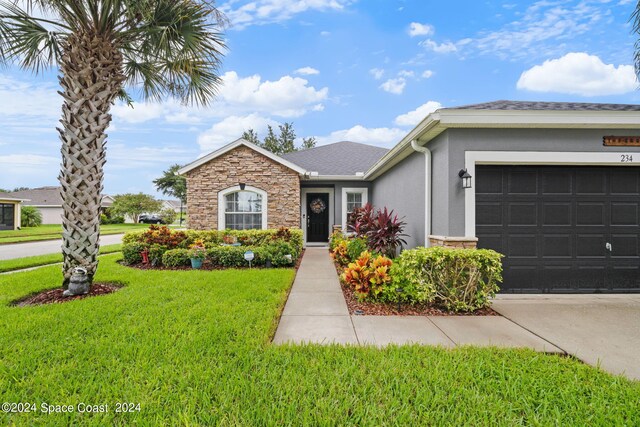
242,164
454,242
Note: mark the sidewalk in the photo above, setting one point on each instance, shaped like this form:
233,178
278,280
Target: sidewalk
316,312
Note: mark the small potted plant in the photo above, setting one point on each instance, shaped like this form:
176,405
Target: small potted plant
229,240
197,253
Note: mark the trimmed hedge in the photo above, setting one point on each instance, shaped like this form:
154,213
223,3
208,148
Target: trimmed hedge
457,279
267,245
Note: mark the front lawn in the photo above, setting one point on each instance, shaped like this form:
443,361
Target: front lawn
193,348
54,231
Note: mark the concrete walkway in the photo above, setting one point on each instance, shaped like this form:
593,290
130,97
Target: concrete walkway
316,312
20,250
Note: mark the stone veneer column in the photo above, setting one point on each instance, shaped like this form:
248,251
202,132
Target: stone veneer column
454,242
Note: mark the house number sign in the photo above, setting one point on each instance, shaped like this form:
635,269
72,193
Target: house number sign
621,141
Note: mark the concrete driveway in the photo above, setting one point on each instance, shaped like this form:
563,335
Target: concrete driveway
600,330
19,250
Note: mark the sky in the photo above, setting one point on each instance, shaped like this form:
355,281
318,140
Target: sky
365,71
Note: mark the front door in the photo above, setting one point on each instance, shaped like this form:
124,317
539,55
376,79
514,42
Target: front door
317,217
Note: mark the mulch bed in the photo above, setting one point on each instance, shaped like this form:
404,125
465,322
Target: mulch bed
365,308
54,296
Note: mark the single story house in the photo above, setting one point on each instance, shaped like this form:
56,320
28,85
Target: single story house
553,186
174,205
48,201
10,212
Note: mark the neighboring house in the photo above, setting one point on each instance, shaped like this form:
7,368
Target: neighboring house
10,207
49,202
555,187
174,205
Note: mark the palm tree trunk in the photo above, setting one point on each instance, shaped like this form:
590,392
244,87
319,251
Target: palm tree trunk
91,78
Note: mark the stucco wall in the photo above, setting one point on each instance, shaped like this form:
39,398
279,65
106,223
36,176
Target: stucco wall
458,141
402,189
51,214
245,165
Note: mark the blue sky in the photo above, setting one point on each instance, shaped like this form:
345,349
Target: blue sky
365,71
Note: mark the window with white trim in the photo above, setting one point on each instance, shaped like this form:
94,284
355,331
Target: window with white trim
352,198
242,209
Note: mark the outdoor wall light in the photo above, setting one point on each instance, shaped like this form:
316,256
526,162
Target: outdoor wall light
466,178
242,186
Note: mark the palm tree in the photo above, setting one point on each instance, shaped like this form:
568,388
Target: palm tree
636,30
166,48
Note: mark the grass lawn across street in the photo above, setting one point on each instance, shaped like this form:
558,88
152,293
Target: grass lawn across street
193,348
54,231
34,261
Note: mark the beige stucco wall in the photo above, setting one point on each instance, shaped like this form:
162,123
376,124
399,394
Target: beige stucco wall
51,214
243,164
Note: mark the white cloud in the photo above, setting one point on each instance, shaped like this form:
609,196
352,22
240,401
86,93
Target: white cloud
30,170
406,73
230,129
579,73
307,71
445,47
286,97
417,29
325,33
394,86
260,12
427,74
414,117
377,73
374,136
28,98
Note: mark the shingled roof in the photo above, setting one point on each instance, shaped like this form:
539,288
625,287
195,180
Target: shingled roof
43,196
339,158
552,106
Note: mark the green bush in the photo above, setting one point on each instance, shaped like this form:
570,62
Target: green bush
30,217
335,239
131,252
168,216
456,279
276,253
355,247
232,256
156,252
176,258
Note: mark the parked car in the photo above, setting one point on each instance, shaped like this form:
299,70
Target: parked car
150,219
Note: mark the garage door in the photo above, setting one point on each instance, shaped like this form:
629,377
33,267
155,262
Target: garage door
562,229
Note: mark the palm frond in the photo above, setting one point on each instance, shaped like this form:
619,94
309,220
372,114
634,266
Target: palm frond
635,17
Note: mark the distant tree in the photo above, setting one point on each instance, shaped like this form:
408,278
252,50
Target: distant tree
168,216
30,217
251,136
2,190
134,205
308,143
21,189
282,143
171,184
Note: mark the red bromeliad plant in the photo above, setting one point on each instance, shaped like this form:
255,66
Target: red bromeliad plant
368,275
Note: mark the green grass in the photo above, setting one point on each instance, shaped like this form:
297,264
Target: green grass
193,348
34,261
54,231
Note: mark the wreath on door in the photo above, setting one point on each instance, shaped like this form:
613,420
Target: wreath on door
317,206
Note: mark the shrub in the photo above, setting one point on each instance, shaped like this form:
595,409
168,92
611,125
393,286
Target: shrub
407,273
131,252
231,256
176,258
382,229
457,279
30,217
197,250
369,275
161,235
156,253
168,216
340,253
335,238
355,248
276,253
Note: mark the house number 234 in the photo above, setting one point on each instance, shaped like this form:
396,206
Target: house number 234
626,158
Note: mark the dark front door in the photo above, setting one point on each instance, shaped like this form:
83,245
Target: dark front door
562,229
317,217
6,216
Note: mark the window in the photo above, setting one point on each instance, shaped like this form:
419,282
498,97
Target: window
352,198
6,216
242,209
354,201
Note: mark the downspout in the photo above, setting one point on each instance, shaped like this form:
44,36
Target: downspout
427,190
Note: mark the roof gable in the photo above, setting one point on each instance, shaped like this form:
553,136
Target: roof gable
238,142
